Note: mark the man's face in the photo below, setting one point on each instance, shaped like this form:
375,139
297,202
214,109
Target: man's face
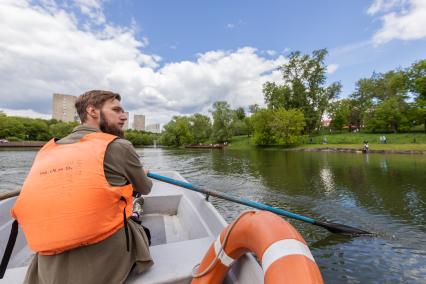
112,118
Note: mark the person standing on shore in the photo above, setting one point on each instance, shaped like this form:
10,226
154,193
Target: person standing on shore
365,149
76,202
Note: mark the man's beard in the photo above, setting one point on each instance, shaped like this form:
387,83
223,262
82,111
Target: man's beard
109,128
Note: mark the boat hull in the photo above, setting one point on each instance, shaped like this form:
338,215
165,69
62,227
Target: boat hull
183,225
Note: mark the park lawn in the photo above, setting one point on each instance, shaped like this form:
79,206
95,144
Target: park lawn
372,138
401,142
393,147
241,143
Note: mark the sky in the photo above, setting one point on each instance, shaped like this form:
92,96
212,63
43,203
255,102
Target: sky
171,58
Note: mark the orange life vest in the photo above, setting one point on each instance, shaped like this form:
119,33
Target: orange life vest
66,200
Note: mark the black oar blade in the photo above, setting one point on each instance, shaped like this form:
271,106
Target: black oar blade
342,229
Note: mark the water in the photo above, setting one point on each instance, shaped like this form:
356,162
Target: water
385,194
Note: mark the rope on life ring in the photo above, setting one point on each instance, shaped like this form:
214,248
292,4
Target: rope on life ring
282,251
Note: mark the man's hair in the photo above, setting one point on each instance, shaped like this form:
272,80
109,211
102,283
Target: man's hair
95,98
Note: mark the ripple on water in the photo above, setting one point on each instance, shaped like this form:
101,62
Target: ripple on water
384,194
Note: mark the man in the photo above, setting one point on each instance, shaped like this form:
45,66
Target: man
77,199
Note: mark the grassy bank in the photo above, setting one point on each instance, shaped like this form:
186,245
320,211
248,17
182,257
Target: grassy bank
395,142
372,138
241,143
385,147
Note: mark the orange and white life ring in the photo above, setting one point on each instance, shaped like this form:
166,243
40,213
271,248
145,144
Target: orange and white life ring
282,251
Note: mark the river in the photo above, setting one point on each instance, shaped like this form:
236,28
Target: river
384,194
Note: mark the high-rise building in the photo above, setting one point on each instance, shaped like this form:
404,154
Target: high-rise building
126,124
154,128
64,108
139,122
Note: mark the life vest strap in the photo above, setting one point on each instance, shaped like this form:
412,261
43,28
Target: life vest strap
126,230
9,248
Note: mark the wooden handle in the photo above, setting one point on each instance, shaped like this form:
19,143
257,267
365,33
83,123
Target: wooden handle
9,194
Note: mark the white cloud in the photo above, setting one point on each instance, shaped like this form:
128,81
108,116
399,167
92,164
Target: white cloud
350,48
45,50
92,9
401,19
271,52
234,25
25,113
384,6
331,68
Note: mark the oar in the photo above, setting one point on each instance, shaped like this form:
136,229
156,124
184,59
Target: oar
332,227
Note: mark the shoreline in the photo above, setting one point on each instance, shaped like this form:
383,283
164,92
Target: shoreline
23,144
358,151
338,148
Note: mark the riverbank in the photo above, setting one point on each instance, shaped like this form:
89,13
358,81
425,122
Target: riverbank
20,144
357,148
246,143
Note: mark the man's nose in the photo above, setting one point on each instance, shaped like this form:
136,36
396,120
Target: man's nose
123,116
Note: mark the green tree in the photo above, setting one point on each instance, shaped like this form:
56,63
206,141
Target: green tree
340,114
287,126
263,127
389,115
363,99
222,121
391,84
61,129
36,129
376,96
239,126
12,127
177,131
201,127
139,137
304,87
249,125
417,85
239,113
253,108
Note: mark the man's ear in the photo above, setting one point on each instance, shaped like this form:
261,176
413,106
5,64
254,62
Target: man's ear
92,112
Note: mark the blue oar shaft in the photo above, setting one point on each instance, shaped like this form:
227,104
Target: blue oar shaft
225,196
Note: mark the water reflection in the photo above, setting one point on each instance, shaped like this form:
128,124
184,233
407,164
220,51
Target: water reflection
385,194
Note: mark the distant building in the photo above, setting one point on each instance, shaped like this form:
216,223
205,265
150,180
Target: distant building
64,108
126,124
154,128
139,122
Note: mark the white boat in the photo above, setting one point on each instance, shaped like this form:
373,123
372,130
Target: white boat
183,225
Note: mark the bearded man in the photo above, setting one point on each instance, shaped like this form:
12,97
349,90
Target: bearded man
76,203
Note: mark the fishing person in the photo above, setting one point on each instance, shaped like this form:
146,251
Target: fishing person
76,202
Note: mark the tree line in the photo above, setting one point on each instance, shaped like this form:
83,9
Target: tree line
394,101
389,102
15,128
199,128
